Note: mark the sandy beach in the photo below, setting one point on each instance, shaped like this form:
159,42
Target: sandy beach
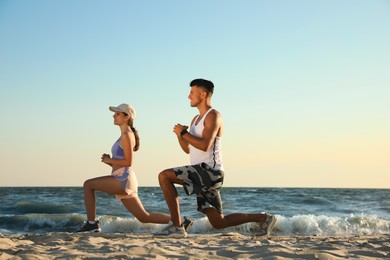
218,246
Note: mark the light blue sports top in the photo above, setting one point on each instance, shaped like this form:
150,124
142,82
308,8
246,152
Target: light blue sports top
117,150
118,153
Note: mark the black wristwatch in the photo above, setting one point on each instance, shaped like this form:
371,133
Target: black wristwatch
184,132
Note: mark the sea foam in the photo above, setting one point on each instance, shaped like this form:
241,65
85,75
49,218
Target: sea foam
300,225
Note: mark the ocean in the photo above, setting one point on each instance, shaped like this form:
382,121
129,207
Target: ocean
299,211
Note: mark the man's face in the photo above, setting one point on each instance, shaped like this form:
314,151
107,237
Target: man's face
195,96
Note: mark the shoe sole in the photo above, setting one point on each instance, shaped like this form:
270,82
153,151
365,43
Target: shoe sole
176,235
173,235
189,226
90,231
271,226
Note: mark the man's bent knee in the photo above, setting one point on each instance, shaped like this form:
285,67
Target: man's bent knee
218,224
86,183
164,175
216,219
169,176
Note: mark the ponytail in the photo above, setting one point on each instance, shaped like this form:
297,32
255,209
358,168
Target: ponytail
135,131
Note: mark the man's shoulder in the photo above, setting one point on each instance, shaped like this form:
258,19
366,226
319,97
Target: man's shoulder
215,112
213,115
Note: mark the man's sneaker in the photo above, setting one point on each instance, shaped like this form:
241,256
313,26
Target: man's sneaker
87,227
172,231
187,223
267,225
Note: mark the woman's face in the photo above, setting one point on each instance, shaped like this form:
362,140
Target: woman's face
119,118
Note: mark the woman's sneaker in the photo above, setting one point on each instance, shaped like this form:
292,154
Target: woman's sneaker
267,225
87,227
172,231
187,223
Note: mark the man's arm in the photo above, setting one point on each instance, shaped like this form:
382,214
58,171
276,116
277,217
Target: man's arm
185,146
177,129
212,124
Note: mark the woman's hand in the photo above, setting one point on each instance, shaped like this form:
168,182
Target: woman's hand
106,158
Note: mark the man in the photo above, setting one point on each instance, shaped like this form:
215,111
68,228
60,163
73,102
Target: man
204,177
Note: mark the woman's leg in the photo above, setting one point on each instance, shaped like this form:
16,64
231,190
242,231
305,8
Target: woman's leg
134,205
105,184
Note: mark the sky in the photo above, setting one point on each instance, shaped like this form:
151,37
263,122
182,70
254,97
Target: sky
303,88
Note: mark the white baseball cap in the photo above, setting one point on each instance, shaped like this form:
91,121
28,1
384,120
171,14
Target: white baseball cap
125,108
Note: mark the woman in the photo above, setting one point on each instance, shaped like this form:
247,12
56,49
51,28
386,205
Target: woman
122,182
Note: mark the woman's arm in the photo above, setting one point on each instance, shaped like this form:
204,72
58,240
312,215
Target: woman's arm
128,151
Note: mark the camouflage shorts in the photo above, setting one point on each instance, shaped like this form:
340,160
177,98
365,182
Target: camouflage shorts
205,182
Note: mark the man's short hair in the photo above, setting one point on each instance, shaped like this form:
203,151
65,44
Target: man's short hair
207,84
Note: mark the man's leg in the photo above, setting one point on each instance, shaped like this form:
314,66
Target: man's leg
167,179
218,220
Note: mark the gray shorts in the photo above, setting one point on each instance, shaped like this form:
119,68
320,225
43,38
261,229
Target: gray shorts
205,182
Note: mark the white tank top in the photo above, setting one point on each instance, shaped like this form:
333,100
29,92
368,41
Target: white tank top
212,157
